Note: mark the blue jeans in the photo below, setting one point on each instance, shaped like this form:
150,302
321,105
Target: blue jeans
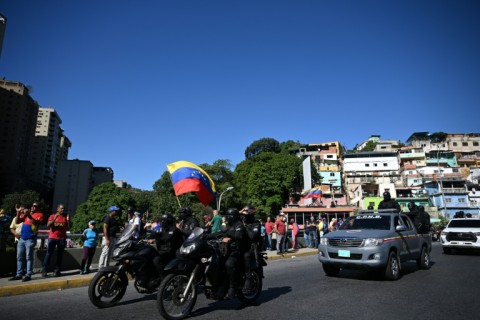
313,238
269,241
25,252
52,243
307,240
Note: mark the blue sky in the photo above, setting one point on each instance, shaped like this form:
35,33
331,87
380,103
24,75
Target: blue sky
140,84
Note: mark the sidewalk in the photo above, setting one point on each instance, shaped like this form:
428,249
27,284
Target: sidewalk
72,278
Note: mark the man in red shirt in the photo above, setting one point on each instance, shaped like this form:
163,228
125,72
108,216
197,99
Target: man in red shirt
281,230
28,239
269,226
57,238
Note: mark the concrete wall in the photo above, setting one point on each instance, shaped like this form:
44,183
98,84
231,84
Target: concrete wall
72,258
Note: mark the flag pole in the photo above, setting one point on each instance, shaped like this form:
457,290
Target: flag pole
178,200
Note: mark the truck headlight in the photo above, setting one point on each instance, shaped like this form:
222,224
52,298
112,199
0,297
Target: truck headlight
372,242
443,233
323,241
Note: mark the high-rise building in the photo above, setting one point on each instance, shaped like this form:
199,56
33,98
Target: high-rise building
3,25
75,180
49,147
18,112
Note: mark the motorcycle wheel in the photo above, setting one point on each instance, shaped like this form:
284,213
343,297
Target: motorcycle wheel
170,302
106,289
249,298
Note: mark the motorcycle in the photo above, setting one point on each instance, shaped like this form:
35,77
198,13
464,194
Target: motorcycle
135,258
200,265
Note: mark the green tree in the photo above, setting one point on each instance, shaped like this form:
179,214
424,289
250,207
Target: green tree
27,198
267,180
369,146
262,145
96,207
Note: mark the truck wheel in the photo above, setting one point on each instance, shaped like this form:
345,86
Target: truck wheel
392,270
330,270
423,262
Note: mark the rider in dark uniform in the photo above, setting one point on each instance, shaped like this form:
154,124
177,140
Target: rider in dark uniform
253,228
188,222
235,236
388,202
413,211
168,240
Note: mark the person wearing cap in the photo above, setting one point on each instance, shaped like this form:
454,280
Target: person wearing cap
89,237
58,222
110,229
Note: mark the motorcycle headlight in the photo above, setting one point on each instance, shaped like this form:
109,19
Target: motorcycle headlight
372,242
188,249
323,241
117,252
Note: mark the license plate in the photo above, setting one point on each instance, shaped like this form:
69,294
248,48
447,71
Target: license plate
344,253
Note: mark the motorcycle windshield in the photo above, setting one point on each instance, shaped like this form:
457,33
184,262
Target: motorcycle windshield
195,233
126,235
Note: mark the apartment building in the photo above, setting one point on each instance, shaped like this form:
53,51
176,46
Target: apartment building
18,112
75,180
49,147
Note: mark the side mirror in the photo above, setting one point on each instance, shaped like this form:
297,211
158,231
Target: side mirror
401,228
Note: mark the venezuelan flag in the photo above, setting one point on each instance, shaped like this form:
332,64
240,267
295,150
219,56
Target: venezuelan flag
312,193
188,177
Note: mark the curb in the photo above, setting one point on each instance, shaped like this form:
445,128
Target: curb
33,287
292,255
39,285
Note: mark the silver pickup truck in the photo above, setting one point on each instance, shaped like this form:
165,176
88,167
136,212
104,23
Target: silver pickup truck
378,241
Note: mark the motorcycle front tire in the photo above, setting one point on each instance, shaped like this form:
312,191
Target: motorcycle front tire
170,301
107,288
250,297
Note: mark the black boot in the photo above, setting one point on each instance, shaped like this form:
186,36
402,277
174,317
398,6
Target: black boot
247,287
231,293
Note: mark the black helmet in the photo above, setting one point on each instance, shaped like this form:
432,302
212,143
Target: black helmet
411,205
232,216
185,213
386,195
248,210
167,220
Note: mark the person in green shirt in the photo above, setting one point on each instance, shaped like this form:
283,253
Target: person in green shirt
216,222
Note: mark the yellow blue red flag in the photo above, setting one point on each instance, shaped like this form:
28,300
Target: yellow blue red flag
188,177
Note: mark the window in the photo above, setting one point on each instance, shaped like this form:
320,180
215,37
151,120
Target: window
454,144
462,200
464,144
332,174
367,165
385,164
374,164
449,200
475,144
329,156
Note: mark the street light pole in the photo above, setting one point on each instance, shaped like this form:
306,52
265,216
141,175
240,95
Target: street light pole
220,198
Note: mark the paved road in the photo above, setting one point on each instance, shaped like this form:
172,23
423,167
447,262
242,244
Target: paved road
296,288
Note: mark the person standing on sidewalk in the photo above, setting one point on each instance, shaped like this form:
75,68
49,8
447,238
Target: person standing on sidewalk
28,239
294,233
89,237
58,223
110,229
269,226
281,234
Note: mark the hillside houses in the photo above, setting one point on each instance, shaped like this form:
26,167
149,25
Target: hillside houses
439,171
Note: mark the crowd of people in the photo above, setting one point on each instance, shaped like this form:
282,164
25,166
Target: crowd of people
168,233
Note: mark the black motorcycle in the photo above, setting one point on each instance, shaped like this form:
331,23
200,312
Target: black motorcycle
135,258
200,264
